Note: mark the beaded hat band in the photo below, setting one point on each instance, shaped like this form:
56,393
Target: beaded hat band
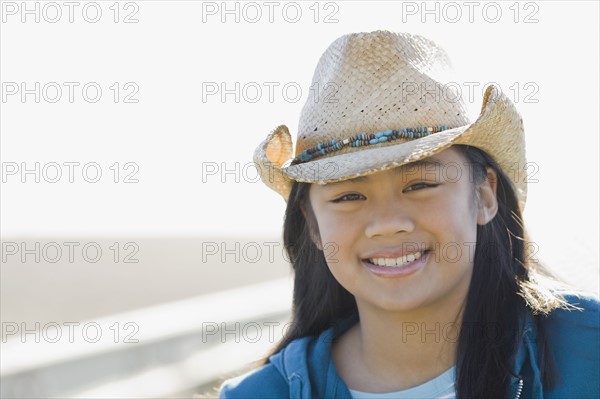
365,139
381,115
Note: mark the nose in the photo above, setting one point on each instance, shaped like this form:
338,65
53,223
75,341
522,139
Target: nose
389,218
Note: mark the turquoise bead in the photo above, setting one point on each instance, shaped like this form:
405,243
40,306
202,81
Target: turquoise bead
382,139
388,132
373,141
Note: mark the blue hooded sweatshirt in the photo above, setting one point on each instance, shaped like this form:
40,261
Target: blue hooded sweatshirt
305,368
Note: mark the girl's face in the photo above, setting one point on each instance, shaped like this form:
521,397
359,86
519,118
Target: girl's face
404,238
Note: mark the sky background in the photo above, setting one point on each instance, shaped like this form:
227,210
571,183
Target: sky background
168,133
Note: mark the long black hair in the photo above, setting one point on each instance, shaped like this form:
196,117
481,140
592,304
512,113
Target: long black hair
506,277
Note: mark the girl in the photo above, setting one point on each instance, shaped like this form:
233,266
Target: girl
413,277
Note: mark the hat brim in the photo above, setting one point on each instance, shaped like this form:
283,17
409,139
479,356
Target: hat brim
498,131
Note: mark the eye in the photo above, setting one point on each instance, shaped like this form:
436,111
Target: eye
420,186
348,197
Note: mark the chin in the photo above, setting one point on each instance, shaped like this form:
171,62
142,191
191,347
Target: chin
401,303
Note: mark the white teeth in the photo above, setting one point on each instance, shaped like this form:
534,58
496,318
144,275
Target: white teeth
391,262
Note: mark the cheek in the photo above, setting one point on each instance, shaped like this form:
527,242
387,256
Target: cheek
334,234
339,236
334,228
454,217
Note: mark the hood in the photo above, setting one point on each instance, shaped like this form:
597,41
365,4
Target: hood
320,379
573,336
304,368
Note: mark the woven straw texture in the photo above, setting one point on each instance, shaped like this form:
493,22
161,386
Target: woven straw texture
371,82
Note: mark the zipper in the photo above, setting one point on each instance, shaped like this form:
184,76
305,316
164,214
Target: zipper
519,389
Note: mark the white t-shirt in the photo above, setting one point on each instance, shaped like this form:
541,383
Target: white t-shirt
441,387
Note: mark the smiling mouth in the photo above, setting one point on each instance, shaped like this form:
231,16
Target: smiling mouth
397,262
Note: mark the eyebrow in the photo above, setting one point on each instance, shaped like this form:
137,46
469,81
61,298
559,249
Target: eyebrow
431,162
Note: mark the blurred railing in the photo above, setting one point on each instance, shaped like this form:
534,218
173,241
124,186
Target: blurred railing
162,351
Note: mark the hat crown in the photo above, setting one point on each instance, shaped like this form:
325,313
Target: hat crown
370,82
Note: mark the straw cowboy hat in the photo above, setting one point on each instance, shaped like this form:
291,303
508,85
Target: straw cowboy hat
382,100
